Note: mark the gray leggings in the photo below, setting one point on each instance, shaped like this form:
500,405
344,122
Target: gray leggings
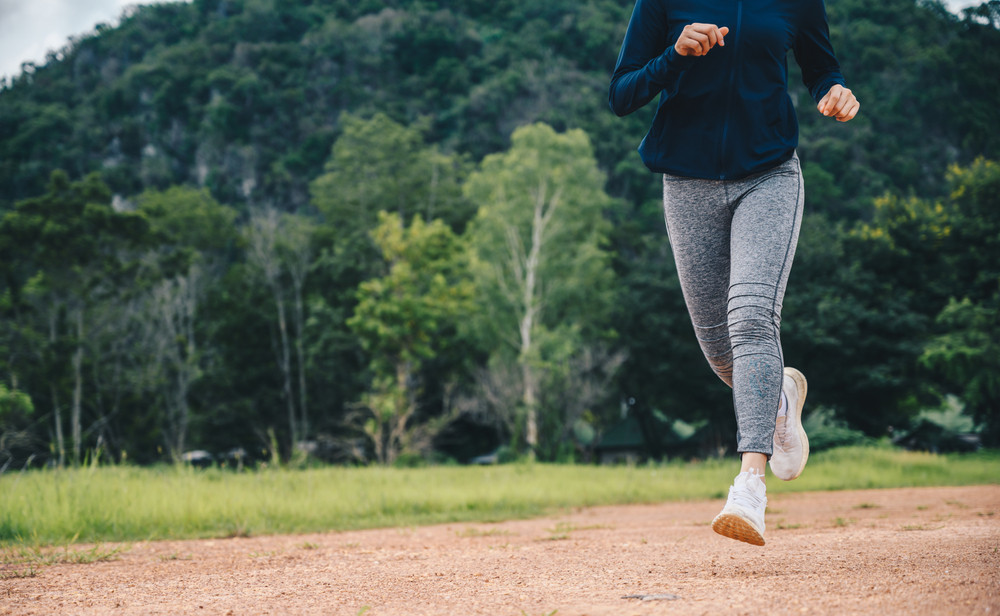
733,243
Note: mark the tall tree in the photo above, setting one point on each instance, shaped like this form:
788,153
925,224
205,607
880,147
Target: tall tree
279,248
965,352
176,359
538,254
378,165
403,319
196,237
63,252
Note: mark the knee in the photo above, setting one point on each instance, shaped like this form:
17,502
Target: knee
715,346
756,328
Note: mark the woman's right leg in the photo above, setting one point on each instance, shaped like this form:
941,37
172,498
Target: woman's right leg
698,223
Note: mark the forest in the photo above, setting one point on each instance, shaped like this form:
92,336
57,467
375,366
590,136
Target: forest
412,231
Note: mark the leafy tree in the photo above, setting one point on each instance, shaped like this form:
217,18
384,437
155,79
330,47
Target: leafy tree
378,164
280,249
15,407
968,356
965,350
403,319
538,254
196,237
63,254
903,305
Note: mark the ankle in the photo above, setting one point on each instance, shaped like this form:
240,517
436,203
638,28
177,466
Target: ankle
754,464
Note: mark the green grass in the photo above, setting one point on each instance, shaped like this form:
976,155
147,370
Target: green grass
124,503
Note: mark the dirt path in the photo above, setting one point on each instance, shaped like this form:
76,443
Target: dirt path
911,551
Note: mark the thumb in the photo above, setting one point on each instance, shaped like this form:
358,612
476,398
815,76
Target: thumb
723,31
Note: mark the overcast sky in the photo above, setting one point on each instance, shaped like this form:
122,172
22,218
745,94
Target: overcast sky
30,28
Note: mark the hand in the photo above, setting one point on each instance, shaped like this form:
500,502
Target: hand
839,103
698,39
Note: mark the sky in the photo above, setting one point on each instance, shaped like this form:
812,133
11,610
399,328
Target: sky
31,28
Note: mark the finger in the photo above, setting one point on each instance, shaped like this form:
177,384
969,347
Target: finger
712,38
723,31
850,113
845,100
831,100
699,43
836,106
821,106
703,36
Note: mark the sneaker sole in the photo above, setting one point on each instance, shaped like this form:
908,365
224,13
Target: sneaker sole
733,526
803,388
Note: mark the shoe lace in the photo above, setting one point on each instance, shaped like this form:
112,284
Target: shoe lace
747,498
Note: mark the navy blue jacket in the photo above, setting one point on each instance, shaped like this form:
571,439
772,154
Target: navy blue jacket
726,114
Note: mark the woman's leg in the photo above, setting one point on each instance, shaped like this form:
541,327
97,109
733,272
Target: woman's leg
765,230
767,215
698,222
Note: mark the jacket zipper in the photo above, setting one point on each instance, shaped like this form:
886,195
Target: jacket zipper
729,90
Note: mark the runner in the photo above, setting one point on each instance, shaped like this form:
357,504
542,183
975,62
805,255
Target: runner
724,137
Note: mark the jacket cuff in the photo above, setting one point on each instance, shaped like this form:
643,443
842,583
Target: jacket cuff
824,86
676,61
670,63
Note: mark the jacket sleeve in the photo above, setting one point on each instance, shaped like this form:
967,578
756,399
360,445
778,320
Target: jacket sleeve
648,63
814,52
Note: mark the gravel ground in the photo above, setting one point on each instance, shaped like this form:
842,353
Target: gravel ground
904,551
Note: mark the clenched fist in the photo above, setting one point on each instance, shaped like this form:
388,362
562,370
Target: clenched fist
839,103
698,39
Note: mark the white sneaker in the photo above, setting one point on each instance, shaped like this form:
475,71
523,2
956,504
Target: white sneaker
743,516
791,445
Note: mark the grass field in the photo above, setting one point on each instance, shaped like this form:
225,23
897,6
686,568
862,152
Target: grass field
123,503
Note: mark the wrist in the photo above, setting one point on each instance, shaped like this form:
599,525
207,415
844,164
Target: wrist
676,59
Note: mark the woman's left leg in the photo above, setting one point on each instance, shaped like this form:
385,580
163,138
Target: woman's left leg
767,215
765,230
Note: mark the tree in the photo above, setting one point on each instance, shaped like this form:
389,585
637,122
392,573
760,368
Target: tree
15,407
380,165
64,256
403,319
176,360
280,249
195,238
965,353
538,255
903,304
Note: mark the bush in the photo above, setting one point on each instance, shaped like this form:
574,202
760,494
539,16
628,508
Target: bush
944,430
826,431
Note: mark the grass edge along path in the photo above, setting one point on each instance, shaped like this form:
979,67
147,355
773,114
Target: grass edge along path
124,503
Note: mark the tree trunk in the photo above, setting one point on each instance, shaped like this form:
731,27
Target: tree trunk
265,234
531,307
57,415
60,443
76,412
286,368
300,356
530,408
